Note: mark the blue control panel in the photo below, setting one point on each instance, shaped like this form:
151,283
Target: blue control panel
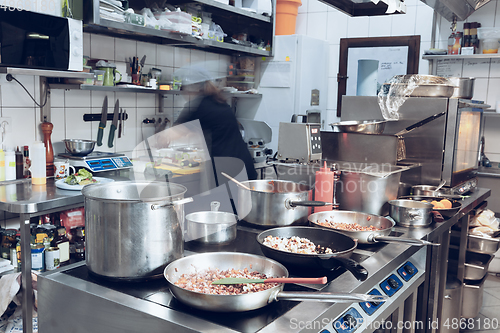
391,285
407,271
348,322
106,164
371,307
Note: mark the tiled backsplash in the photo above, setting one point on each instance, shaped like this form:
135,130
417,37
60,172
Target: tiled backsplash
69,106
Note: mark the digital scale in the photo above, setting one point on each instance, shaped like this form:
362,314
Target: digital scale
98,161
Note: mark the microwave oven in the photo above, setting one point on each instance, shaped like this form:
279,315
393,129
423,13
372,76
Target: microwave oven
41,41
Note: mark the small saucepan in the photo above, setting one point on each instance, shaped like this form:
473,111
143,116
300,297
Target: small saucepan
411,213
430,191
274,203
211,227
382,225
445,212
341,245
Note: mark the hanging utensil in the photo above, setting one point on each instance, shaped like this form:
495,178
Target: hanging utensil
230,280
235,181
104,119
401,148
120,122
114,124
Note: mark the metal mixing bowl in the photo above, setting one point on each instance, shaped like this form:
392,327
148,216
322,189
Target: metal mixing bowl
79,147
361,126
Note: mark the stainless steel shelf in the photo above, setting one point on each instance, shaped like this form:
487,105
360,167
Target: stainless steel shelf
45,73
139,90
124,30
226,8
470,56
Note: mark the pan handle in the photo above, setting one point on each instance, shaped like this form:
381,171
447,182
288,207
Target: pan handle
411,241
352,266
325,297
289,204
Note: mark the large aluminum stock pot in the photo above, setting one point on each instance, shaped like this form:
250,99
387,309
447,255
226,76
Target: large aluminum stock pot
275,203
133,229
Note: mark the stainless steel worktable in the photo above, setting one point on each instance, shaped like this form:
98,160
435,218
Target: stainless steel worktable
29,201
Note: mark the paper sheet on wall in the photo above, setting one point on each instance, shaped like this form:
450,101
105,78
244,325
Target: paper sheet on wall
276,74
449,67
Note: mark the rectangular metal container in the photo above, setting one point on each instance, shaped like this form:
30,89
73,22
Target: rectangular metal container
472,299
482,244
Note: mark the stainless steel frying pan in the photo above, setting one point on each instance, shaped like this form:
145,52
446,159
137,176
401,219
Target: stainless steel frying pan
250,301
365,220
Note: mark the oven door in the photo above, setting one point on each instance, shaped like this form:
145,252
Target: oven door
466,145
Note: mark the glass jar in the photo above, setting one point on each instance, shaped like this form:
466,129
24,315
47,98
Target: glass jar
62,242
80,243
8,242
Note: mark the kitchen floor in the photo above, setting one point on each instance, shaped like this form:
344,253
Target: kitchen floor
488,319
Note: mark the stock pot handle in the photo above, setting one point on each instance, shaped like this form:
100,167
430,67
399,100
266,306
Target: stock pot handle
175,202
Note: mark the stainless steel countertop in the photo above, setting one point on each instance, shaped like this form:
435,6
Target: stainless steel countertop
25,198
493,171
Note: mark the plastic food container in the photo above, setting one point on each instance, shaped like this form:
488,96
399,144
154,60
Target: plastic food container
490,46
98,77
240,85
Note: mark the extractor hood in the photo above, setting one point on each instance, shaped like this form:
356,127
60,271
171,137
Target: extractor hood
461,9
368,7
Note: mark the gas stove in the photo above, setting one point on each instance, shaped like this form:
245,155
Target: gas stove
395,270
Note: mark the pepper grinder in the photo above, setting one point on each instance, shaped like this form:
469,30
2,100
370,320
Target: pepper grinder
49,151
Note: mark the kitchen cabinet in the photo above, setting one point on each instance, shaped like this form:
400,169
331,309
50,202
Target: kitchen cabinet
231,19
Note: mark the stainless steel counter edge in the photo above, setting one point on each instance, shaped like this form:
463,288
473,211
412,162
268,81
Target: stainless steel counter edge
26,198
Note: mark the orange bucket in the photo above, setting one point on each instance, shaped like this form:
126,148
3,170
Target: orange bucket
286,16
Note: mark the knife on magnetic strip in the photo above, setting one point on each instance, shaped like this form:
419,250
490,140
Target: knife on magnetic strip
102,123
114,124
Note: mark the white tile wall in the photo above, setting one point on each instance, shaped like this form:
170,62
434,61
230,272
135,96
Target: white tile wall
314,19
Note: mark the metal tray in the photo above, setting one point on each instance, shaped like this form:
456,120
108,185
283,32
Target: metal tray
472,298
482,244
476,265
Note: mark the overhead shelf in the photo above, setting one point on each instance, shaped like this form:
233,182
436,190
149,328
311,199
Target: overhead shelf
45,73
125,30
460,56
129,89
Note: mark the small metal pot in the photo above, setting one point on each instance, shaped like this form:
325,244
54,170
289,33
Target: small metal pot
464,87
211,227
360,126
411,213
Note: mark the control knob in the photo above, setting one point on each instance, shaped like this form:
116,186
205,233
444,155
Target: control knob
393,283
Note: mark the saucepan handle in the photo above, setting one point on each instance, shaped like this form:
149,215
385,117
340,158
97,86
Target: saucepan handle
325,297
390,239
352,266
292,204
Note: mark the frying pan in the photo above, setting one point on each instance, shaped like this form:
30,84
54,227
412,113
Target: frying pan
342,245
446,212
244,302
365,220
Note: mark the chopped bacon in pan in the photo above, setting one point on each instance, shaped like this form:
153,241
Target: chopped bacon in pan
201,282
295,244
346,226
